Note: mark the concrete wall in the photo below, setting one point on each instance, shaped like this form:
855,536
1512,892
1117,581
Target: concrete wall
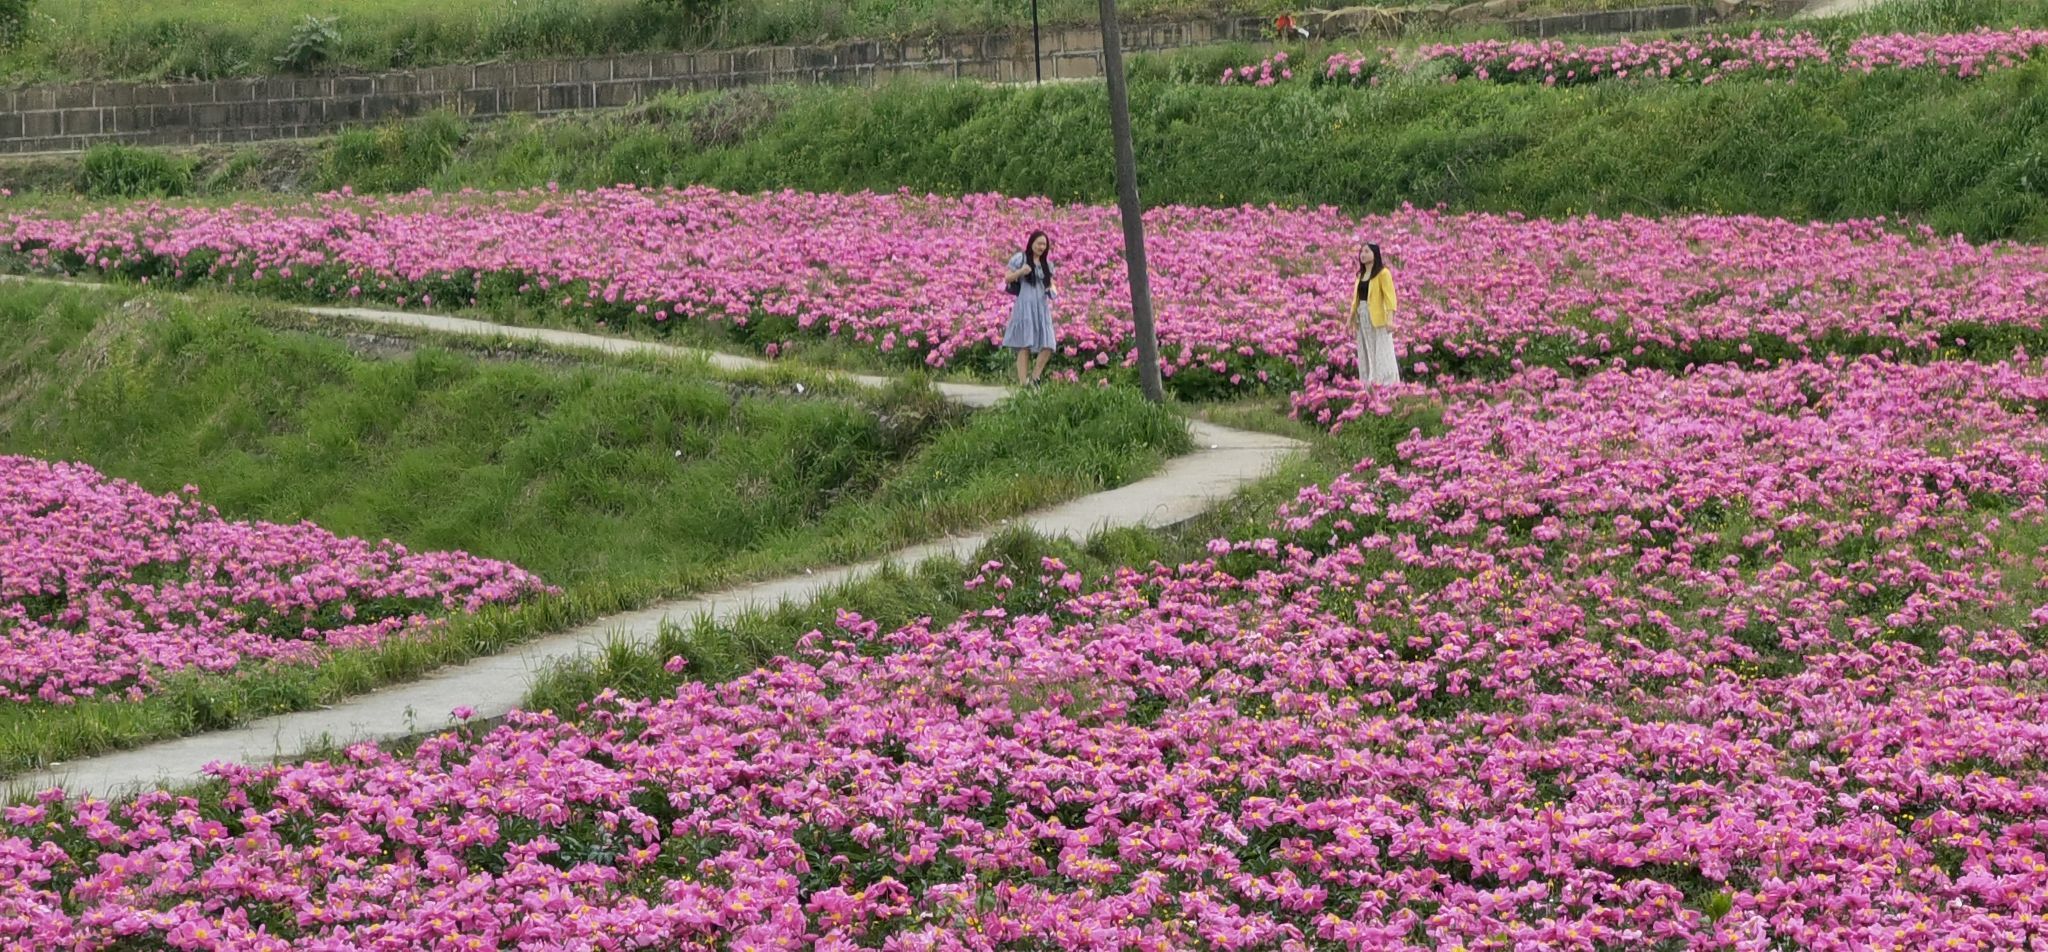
1610,21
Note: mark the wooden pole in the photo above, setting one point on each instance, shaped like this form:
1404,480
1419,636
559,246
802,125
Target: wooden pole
1127,205
1037,60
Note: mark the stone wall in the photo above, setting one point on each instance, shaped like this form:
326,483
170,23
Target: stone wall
1642,19
73,117
1610,21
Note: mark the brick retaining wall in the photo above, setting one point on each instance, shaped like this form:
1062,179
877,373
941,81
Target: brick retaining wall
73,117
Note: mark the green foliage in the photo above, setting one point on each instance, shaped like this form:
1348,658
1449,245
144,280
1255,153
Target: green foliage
1964,156
312,44
149,39
13,21
394,157
694,9
115,171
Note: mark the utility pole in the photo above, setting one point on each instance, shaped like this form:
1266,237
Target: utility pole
1127,205
1037,61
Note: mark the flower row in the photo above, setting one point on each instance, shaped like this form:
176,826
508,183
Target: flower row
105,588
1703,59
1245,297
1728,660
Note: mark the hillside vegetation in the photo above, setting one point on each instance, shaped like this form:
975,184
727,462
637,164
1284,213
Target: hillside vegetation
1966,157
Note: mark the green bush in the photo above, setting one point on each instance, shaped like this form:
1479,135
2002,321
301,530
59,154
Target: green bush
312,44
645,158
395,157
114,171
700,9
13,21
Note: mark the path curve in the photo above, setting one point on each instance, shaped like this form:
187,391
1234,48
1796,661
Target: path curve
1223,461
1834,8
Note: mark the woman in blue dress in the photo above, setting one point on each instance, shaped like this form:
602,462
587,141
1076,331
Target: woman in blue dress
1029,277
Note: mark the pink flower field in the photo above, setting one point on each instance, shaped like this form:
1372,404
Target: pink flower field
1726,660
1248,298
104,587
1704,60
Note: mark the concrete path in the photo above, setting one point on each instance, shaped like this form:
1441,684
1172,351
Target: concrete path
1835,8
1223,461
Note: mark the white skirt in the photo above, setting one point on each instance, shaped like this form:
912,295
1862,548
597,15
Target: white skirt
1376,361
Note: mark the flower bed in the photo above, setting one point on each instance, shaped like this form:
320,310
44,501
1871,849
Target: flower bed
105,588
1701,60
1247,298
1721,661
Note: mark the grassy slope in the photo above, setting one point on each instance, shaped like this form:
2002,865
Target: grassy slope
1968,157
106,38
934,589
208,38
1965,156
570,469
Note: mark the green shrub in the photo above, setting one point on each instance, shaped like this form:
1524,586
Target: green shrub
13,21
722,122
644,158
311,45
699,9
115,171
394,157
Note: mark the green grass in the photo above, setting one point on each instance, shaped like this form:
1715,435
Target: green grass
1930,16
70,39
154,39
622,481
1965,156
719,651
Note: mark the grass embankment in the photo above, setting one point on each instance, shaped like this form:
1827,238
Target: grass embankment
719,651
620,481
99,39
1964,156
96,39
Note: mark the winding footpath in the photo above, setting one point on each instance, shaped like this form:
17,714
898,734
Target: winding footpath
1224,460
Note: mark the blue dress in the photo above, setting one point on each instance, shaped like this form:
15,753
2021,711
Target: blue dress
1031,317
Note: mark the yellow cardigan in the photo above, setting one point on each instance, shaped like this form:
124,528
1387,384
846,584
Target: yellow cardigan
1379,298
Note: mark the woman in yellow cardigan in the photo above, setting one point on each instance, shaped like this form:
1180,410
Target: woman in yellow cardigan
1375,291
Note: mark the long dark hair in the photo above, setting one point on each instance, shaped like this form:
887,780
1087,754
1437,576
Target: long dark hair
1044,263
1379,264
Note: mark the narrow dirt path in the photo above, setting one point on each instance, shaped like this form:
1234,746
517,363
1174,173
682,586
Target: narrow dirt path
1223,461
